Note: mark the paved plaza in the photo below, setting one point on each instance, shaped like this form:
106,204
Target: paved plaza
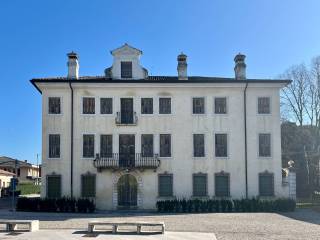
301,224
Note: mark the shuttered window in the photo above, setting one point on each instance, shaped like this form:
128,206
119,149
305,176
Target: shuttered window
147,145
54,105
165,185
164,105
54,146
88,145
88,186
198,145
263,105
199,185
54,186
106,145
198,106
264,145
220,105
266,184
222,185
88,105
221,145
106,105
146,105
165,145
126,69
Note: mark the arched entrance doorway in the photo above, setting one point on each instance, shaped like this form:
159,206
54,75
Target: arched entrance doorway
127,191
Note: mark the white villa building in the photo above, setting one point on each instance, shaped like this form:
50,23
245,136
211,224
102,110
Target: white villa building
127,139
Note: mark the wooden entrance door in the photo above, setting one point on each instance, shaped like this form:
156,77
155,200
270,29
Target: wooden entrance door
127,191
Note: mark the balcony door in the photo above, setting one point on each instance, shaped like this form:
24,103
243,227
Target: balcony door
126,150
126,110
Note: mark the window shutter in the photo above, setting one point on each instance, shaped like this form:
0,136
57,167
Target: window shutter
198,145
222,185
165,105
126,69
221,145
165,185
266,184
263,105
147,145
54,146
106,146
165,145
106,106
88,145
264,145
199,185
146,105
53,186
88,185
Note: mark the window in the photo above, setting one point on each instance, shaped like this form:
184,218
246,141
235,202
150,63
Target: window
165,185
164,105
105,105
222,185
165,145
106,146
88,145
54,105
263,105
220,105
264,145
199,185
198,105
88,105
147,145
54,146
198,145
88,185
126,69
54,186
266,186
146,105
221,145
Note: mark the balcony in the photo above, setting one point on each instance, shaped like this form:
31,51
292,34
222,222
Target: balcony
126,119
126,161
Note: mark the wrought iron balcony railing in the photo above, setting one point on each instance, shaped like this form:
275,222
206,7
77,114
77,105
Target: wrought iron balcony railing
126,119
126,161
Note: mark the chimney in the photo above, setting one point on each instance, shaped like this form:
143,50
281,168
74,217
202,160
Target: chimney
182,67
73,65
240,67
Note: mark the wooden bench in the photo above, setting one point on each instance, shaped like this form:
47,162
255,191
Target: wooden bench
12,225
115,225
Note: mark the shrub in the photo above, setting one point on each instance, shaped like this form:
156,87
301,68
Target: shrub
226,205
55,205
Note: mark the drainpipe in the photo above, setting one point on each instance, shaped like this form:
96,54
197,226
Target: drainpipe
245,137
71,146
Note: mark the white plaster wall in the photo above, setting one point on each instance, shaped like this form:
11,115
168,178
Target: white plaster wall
181,124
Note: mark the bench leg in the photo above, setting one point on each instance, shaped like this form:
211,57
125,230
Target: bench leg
114,229
91,228
162,229
11,227
138,229
34,226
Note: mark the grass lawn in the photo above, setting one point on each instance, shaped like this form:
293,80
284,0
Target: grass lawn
28,188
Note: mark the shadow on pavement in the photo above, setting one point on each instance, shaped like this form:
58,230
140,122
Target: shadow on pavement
305,215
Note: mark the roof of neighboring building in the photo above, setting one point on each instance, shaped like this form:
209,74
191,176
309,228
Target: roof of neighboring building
9,162
6,173
153,79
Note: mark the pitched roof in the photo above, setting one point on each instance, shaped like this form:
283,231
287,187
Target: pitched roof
153,79
7,161
6,173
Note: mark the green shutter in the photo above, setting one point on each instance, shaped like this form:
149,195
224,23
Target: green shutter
165,185
200,185
54,186
266,185
222,186
88,183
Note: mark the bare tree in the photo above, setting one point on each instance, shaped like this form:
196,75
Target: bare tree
294,97
315,93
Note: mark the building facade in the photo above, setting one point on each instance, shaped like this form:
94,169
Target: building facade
127,139
26,172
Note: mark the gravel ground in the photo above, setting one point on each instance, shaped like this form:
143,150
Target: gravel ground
301,224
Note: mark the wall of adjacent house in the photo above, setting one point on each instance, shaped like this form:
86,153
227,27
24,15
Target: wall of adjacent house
181,124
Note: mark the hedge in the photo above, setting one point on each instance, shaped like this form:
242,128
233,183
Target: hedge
28,188
64,204
225,205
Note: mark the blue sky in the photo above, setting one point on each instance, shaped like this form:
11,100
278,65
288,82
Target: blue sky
36,35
